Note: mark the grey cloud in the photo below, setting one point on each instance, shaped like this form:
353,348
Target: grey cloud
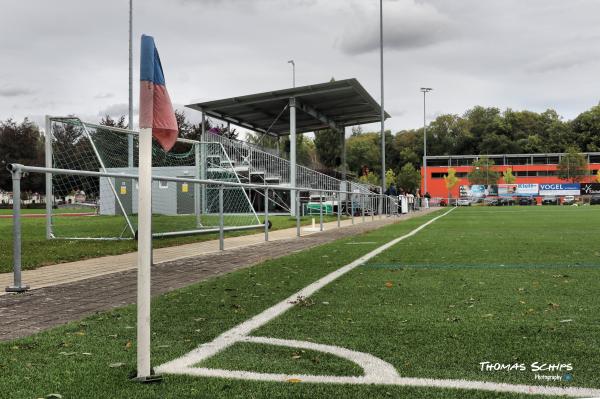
102,96
407,25
117,110
563,59
508,53
15,91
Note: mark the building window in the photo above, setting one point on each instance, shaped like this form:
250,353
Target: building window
163,184
440,175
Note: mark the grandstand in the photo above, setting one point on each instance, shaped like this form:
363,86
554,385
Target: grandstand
333,105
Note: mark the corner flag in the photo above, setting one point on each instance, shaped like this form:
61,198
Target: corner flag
157,120
156,110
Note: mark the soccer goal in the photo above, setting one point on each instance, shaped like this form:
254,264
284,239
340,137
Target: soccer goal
108,205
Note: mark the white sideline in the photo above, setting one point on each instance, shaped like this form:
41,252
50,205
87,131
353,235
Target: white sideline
376,371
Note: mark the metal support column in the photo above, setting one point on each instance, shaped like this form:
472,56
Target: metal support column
49,188
203,165
17,284
321,212
221,220
362,198
372,201
197,187
352,207
266,214
344,168
297,213
293,152
339,210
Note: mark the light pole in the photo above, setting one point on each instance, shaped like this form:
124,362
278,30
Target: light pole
383,187
130,121
293,72
425,90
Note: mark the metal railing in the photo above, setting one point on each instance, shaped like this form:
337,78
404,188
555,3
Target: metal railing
359,204
274,167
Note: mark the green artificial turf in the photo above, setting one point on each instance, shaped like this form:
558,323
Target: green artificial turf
426,320
37,251
277,359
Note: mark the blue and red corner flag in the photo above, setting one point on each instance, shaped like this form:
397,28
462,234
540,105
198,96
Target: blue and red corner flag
156,110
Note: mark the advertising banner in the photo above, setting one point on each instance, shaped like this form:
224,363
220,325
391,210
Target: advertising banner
507,190
590,188
527,189
560,189
520,190
478,191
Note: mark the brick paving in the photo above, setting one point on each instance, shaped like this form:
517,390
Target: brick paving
37,310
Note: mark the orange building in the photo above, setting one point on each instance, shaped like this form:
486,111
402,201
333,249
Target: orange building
527,168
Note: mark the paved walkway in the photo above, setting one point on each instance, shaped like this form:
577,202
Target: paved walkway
79,270
110,282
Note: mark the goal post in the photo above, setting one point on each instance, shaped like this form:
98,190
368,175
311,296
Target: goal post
177,208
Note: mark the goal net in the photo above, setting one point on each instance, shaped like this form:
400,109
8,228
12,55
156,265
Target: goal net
108,205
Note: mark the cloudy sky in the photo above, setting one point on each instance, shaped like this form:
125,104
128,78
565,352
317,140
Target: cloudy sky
70,56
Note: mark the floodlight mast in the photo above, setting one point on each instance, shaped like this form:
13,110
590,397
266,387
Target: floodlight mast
130,121
293,72
383,185
425,90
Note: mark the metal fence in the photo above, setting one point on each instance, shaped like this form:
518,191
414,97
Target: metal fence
359,204
276,168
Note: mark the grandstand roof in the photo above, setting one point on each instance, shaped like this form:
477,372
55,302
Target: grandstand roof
335,104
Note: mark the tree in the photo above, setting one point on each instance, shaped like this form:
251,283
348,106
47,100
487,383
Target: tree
390,177
361,151
450,181
586,130
482,172
370,178
328,147
508,176
264,140
21,143
409,178
573,166
108,121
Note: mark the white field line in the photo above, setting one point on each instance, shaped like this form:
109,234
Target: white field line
376,371
240,331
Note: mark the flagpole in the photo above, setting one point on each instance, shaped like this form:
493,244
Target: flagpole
156,118
144,254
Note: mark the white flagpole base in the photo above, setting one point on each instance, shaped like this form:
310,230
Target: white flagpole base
144,371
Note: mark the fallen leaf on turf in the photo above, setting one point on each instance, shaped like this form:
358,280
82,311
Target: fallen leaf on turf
67,353
294,380
389,284
113,336
566,321
554,305
115,365
488,315
296,357
128,345
86,353
54,396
